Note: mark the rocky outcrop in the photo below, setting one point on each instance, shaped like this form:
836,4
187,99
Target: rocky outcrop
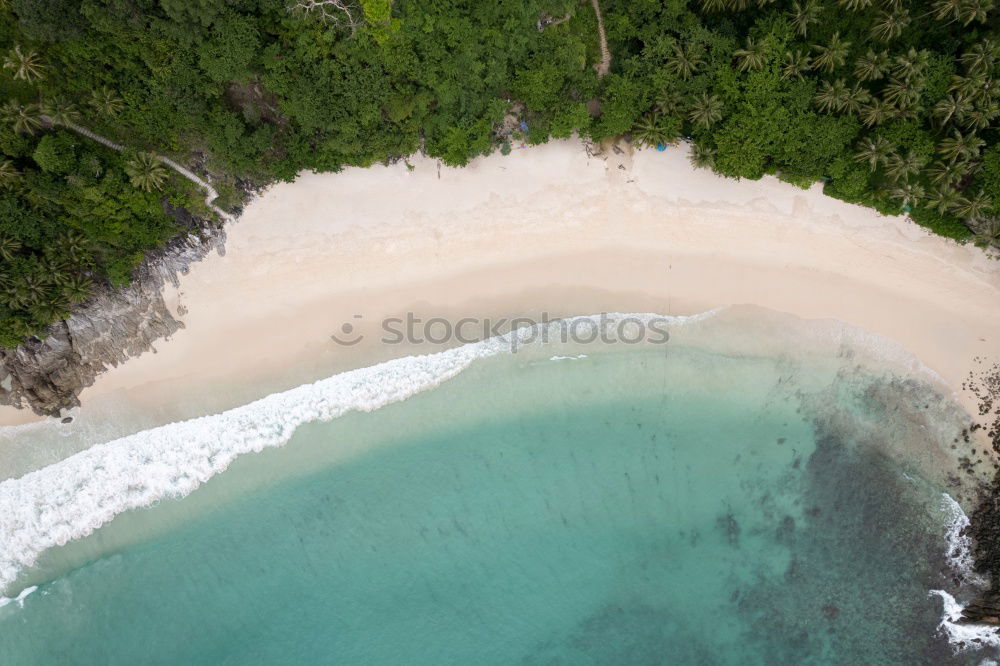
984,384
47,374
985,611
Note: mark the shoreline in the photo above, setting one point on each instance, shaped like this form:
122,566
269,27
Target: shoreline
145,466
549,229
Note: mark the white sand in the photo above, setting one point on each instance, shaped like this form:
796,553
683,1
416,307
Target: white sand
544,229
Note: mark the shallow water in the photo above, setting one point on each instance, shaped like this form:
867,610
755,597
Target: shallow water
666,505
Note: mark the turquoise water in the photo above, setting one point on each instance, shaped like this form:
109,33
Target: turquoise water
639,507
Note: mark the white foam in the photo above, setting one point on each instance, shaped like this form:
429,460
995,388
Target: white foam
964,636
568,358
959,553
70,499
19,599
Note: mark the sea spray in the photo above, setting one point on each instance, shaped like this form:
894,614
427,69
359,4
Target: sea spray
961,561
959,554
964,636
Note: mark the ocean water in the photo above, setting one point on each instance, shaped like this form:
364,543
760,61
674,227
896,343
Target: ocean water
673,504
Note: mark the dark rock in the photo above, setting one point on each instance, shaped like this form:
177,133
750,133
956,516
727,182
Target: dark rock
48,374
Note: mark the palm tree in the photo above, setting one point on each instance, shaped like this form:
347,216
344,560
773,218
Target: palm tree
981,58
856,97
670,103
50,310
912,64
908,110
24,118
899,167
650,130
706,110
873,151
987,231
832,97
908,193
803,15
981,117
875,113
77,289
965,146
872,65
944,8
56,267
971,87
106,102
944,198
8,173
60,112
854,5
685,62
901,93
975,10
948,174
146,172
991,89
29,290
974,207
702,156
9,247
890,25
27,65
795,64
954,106
832,55
754,56
73,246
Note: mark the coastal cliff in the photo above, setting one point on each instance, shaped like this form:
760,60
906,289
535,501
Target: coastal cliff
47,373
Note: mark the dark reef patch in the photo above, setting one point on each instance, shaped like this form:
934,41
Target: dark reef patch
866,502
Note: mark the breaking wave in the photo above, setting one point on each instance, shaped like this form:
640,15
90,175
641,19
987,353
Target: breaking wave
959,553
70,499
961,636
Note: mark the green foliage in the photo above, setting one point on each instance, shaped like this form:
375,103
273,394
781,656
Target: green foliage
942,224
55,153
378,17
623,102
885,102
227,54
990,178
49,20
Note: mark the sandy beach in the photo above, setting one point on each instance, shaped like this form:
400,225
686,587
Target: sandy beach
547,229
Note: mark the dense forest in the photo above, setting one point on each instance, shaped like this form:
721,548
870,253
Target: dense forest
893,103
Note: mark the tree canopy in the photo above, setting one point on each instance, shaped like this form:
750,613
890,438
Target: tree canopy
894,104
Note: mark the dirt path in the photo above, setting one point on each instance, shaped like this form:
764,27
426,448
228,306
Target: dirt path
604,66
210,193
